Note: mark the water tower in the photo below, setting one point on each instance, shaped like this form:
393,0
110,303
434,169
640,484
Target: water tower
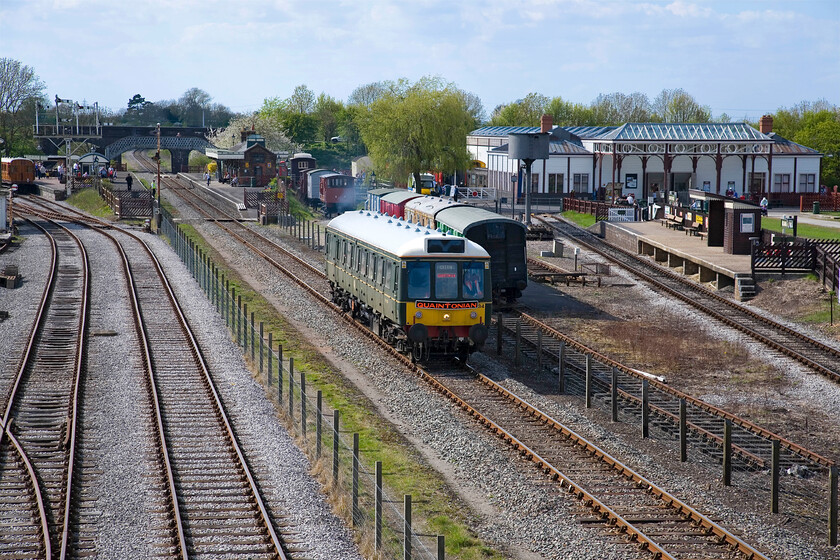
528,147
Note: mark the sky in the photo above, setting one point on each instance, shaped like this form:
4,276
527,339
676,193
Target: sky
743,58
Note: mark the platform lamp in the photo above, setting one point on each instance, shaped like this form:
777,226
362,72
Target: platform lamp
528,147
157,159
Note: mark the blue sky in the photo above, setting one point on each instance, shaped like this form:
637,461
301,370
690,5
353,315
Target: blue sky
740,57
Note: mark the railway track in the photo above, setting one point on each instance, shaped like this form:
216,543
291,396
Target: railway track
598,480
216,507
817,356
38,439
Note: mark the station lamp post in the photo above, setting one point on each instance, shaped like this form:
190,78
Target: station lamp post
157,159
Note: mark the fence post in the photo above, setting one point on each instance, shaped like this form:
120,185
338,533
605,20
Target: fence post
441,547
292,389
319,410
377,511
407,527
683,433
614,394
516,355
261,346
588,382
303,404
832,505
252,335
335,447
355,508
727,452
561,368
269,356
645,410
238,320
774,474
499,334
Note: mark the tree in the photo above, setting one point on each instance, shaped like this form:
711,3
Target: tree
327,111
193,107
20,90
522,112
302,100
821,131
267,126
136,110
677,106
419,130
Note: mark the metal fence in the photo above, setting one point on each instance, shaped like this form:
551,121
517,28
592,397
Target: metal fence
383,523
788,479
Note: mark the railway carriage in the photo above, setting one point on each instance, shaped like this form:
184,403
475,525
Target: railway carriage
502,238
20,171
424,209
425,292
394,203
337,193
374,198
299,164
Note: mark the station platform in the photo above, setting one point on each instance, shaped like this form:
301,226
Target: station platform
681,252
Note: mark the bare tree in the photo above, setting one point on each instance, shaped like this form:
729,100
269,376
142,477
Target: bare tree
19,87
677,106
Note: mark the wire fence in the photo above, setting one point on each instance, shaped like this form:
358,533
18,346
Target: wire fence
353,478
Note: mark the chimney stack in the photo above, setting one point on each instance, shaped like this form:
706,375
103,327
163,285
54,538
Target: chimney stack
765,124
546,122
243,134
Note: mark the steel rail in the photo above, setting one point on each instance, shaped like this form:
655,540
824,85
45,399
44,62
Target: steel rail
696,289
205,373
588,498
70,438
622,469
665,388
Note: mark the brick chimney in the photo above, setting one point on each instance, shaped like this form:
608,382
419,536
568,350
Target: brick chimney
546,122
765,124
243,134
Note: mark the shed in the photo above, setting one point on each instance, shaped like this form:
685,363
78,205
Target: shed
743,222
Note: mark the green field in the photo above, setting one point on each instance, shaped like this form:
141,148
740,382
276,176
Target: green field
802,230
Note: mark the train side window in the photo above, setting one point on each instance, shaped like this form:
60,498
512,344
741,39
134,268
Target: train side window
389,272
358,259
419,280
376,264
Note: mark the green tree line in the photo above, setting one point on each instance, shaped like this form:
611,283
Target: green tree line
405,127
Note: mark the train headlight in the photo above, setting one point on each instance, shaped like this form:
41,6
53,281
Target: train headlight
446,317
419,314
473,315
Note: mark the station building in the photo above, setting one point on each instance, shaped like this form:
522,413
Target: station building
250,161
646,158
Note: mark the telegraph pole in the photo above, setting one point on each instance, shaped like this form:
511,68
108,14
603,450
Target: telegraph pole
157,158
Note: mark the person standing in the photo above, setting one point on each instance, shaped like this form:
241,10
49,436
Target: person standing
128,180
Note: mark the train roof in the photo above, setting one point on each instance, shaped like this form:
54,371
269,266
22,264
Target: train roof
400,196
11,159
383,192
463,218
396,236
431,205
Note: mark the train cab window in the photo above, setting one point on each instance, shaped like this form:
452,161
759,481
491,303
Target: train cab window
446,280
419,280
473,281
495,231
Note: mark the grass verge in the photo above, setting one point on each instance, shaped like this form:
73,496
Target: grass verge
802,230
583,220
88,200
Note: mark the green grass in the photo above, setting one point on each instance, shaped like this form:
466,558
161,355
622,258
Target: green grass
405,473
583,220
802,230
88,200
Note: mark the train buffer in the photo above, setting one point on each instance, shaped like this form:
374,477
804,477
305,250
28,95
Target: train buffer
10,278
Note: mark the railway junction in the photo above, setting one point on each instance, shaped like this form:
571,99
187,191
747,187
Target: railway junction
687,437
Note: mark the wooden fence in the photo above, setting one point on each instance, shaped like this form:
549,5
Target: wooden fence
601,210
827,265
828,202
783,257
127,204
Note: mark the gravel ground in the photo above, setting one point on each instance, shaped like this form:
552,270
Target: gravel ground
282,469
693,483
123,494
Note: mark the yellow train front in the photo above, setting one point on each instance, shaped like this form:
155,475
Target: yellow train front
423,291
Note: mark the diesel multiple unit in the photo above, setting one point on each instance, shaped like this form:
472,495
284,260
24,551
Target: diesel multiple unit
423,291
